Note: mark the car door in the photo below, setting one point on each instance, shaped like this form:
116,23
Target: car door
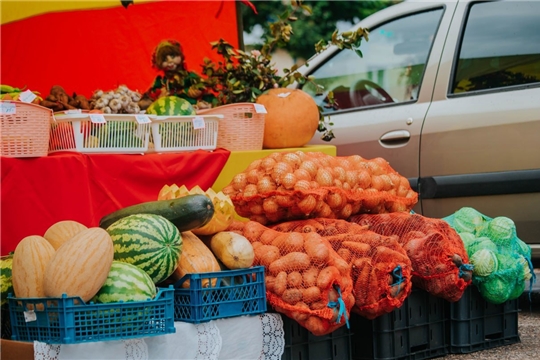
480,143
401,57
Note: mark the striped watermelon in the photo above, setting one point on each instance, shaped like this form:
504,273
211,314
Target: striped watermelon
148,241
126,282
5,278
171,105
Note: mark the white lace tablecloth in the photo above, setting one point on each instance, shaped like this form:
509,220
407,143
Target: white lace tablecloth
257,337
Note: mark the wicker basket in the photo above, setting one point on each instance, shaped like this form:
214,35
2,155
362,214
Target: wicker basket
25,129
242,127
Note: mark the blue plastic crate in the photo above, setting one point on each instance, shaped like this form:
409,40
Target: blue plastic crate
476,324
416,330
230,293
68,320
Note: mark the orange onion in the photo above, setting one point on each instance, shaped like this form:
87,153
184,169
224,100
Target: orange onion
288,181
302,185
324,177
239,181
266,184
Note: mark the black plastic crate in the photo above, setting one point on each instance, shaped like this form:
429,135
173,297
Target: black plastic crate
300,344
6,324
476,324
416,330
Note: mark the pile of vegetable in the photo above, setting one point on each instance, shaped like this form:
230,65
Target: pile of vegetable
135,250
380,268
8,92
502,261
297,185
305,278
439,260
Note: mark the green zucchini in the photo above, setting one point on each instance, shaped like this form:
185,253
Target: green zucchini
186,213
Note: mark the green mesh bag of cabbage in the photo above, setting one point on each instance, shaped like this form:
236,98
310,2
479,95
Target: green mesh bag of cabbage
502,261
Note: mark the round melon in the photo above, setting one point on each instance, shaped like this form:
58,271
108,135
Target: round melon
126,282
171,105
61,231
148,241
5,278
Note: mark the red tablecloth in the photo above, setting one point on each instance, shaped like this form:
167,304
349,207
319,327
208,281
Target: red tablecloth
37,192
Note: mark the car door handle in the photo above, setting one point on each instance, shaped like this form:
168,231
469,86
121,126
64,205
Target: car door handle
396,137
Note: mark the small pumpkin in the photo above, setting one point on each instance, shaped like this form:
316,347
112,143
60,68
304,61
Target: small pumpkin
292,118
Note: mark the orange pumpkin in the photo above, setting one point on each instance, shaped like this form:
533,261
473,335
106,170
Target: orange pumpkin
292,118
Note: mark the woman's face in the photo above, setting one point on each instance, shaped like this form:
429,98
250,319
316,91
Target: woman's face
172,62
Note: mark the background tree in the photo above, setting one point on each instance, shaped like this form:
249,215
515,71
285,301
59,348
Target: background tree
310,29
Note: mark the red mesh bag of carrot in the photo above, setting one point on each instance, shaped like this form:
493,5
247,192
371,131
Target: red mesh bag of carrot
380,267
306,279
288,186
439,261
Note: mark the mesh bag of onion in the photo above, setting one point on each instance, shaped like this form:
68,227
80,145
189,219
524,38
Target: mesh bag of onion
380,267
439,261
306,279
296,185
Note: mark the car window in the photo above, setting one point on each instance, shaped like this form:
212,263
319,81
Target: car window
500,47
390,70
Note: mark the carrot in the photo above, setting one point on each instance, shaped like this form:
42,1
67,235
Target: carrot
280,283
294,280
383,253
311,294
292,296
345,254
362,281
357,248
292,261
373,286
411,235
338,238
327,277
309,276
289,242
343,266
316,249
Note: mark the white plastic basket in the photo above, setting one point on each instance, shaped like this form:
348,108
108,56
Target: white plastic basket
120,134
178,133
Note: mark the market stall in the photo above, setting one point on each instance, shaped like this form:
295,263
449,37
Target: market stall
142,224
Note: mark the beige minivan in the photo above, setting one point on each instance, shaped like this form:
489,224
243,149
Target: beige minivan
449,93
